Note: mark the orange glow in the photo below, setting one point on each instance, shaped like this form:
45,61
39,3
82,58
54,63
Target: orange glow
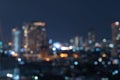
104,55
15,55
75,56
63,55
39,23
47,59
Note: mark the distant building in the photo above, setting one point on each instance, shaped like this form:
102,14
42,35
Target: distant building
77,43
91,38
16,40
116,38
35,38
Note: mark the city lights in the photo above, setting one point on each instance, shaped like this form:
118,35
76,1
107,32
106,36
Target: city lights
57,45
60,40
9,75
63,55
47,59
117,23
37,55
104,55
39,23
100,59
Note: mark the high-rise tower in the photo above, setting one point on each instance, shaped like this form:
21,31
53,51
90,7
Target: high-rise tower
16,40
35,38
115,38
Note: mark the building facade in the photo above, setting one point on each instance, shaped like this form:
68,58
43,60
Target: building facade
35,37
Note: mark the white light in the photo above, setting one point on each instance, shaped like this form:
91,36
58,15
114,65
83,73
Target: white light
36,77
117,23
70,47
19,59
57,45
54,49
104,40
111,45
11,52
100,59
9,75
64,48
97,45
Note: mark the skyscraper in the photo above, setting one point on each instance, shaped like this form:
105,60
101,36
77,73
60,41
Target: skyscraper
116,38
35,38
16,40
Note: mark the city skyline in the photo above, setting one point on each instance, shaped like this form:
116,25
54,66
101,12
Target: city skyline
67,18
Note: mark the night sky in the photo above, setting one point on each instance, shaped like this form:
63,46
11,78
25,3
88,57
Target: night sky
65,18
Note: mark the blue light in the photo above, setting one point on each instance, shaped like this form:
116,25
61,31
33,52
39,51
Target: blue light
97,49
57,45
76,63
103,62
50,41
81,48
5,52
115,72
90,41
109,63
22,50
74,50
95,63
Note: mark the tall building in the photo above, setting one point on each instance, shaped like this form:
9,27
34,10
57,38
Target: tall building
16,40
35,38
91,37
115,38
77,43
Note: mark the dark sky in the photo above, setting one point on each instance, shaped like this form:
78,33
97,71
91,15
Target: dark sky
65,18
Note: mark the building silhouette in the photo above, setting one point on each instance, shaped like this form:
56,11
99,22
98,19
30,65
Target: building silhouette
115,38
